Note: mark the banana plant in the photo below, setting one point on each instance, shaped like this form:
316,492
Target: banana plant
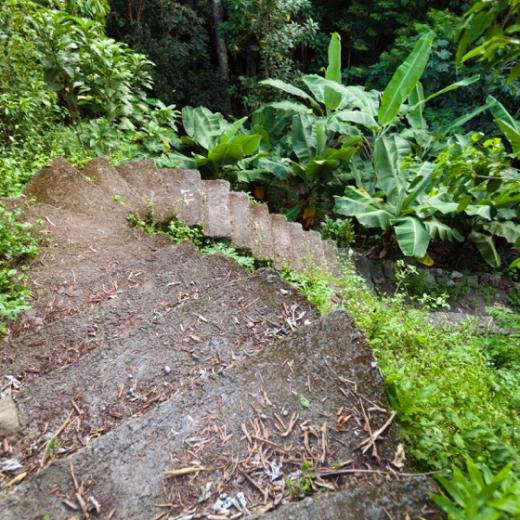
399,201
507,123
215,142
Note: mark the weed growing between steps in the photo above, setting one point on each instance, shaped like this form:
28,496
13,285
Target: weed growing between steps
455,390
17,245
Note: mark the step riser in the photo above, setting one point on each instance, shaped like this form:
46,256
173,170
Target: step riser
281,241
239,215
216,217
261,234
185,189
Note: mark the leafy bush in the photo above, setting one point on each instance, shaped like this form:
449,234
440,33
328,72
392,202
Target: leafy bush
16,246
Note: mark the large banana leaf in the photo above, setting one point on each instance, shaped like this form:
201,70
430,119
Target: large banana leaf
508,230
355,116
303,137
412,237
352,97
415,112
333,73
363,207
291,89
419,185
507,123
404,80
230,152
486,246
437,229
389,152
203,126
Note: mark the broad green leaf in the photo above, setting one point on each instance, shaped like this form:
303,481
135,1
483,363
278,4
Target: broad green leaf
352,97
290,106
333,72
355,116
279,169
232,130
438,229
473,28
303,138
177,160
204,126
515,264
500,112
362,206
508,230
486,246
389,151
404,80
289,89
475,210
415,112
419,185
412,236
331,97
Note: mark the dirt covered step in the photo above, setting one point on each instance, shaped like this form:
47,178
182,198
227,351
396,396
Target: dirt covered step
179,275
58,291
308,413
172,341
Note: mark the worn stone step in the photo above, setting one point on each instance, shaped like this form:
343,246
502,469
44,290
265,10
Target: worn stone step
282,245
104,174
65,187
144,177
185,189
261,234
194,332
175,270
216,216
239,216
297,236
244,431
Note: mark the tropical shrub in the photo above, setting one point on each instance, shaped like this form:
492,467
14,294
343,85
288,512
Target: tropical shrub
215,143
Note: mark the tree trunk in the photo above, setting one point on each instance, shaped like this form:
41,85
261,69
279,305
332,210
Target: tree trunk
221,54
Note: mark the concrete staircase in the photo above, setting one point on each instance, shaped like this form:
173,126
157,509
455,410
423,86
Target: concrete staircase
149,381
222,213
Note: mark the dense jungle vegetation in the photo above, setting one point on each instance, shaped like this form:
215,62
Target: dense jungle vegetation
393,124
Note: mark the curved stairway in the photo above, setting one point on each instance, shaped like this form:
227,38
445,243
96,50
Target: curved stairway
151,382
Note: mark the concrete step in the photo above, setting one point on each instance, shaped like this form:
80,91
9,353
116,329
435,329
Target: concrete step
216,219
185,189
144,177
261,234
298,248
242,432
239,216
104,174
282,245
65,187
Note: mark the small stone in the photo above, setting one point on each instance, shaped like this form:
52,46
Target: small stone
9,424
167,369
10,466
456,275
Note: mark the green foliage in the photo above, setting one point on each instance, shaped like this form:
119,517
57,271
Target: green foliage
216,142
302,482
17,246
479,493
266,35
493,29
176,38
220,248
339,230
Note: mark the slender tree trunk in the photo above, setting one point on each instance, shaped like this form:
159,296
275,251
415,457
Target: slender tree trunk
221,54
